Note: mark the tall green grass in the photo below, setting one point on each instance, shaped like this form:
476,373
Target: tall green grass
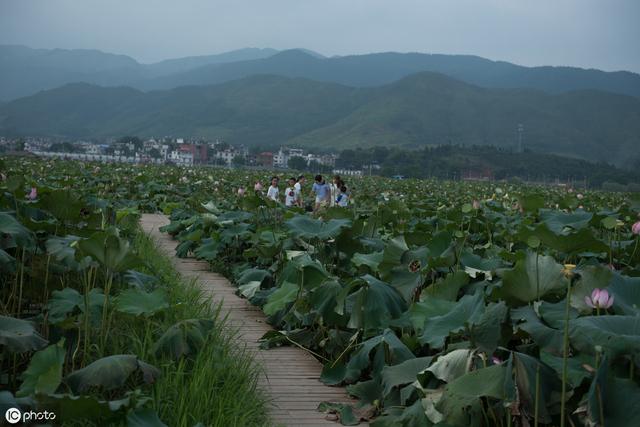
216,387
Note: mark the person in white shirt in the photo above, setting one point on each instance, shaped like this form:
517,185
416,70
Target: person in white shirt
335,189
298,189
273,191
343,198
290,194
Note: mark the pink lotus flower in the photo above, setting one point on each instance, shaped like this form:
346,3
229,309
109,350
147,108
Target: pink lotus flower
476,204
635,228
600,298
33,194
496,360
258,186
241,191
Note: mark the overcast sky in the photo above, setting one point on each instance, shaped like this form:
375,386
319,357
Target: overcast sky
586,33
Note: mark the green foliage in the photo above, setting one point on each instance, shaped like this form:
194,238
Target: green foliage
435,302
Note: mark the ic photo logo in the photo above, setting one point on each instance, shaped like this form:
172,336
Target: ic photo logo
14,416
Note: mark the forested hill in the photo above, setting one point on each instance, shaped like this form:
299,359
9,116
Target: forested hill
420,110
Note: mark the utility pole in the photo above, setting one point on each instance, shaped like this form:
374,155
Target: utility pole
520,130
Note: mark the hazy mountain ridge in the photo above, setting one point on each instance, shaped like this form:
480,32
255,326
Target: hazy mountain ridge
26,71
422,109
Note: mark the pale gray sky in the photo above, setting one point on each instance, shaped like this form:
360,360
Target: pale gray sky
586,33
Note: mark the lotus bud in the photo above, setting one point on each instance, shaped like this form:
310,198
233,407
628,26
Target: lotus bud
241,191
568,270
33,194
635,228
599,298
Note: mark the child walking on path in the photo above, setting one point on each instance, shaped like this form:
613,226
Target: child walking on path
273,191
290,194
343,198
322,192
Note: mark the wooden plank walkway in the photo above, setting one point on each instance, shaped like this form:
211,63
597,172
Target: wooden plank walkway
291,375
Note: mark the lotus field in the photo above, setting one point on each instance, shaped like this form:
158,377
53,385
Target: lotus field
436,303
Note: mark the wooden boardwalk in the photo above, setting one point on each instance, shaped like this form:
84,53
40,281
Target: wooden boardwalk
291,375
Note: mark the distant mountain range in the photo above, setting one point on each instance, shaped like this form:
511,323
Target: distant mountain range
26,71
421,109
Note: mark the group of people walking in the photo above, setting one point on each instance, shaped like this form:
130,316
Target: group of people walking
326,194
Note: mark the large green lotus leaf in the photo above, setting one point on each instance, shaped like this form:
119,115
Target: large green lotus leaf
393,252
110,251
576,372
531,279
614,399
548,338
184,338
419,312
20,235
440,244
403,373
465,391
278,300
303,269
44,374
405,281
63,250
374,305
553,314
249,289
528,371
7,262
531,202
446,288
626,292
209,249
411,416
14,183
344,412
392,348
371,260
144,417
252,275
465,312
141,280
64,303
62,204
211,207
110,373
616,335
452,365
487,332
367,392
475,264
576,242
323,300
234,216
235,232
590,277
19,336
138,302
74,409
305,227
560,222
